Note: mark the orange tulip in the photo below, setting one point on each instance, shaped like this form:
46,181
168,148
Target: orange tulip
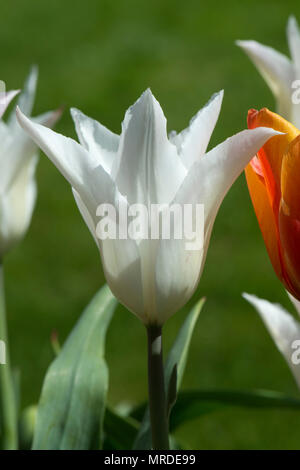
273,178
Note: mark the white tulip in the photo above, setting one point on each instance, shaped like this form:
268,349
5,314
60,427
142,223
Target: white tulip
18,159
152,278
283,328
281,74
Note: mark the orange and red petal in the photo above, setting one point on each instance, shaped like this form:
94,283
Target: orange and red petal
290,178
271,154
289,214
290,239
265,216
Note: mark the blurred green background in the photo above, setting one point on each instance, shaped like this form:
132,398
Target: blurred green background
99,56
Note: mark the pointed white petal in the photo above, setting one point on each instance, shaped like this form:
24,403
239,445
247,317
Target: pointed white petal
293,35
192,142
5,134
209,179
91,132
96,138
16,147
5,99
276,69
283,328
27,96
16,206
147,168
72,160
93,184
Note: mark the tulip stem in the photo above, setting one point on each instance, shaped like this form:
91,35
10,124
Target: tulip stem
8,412
156,387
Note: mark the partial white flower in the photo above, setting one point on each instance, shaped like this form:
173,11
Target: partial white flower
153,278
281,74
18,159
5,99
283,328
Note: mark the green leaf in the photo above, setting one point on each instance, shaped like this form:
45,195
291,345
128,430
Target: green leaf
120,431
176,359
72,404
172,391
180,349
192,404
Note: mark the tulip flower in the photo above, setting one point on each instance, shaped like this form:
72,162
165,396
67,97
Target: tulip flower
156,277
273,182
283,328
18,159
281,74
152,277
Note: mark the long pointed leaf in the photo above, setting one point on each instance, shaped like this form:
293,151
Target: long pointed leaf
72,403
180,349
192,404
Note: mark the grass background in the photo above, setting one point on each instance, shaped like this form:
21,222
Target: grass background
99,56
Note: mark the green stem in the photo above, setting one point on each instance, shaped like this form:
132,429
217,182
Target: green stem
8,412
157,394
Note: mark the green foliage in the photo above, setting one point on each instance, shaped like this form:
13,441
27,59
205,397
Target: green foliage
192,404
72,405
99,59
